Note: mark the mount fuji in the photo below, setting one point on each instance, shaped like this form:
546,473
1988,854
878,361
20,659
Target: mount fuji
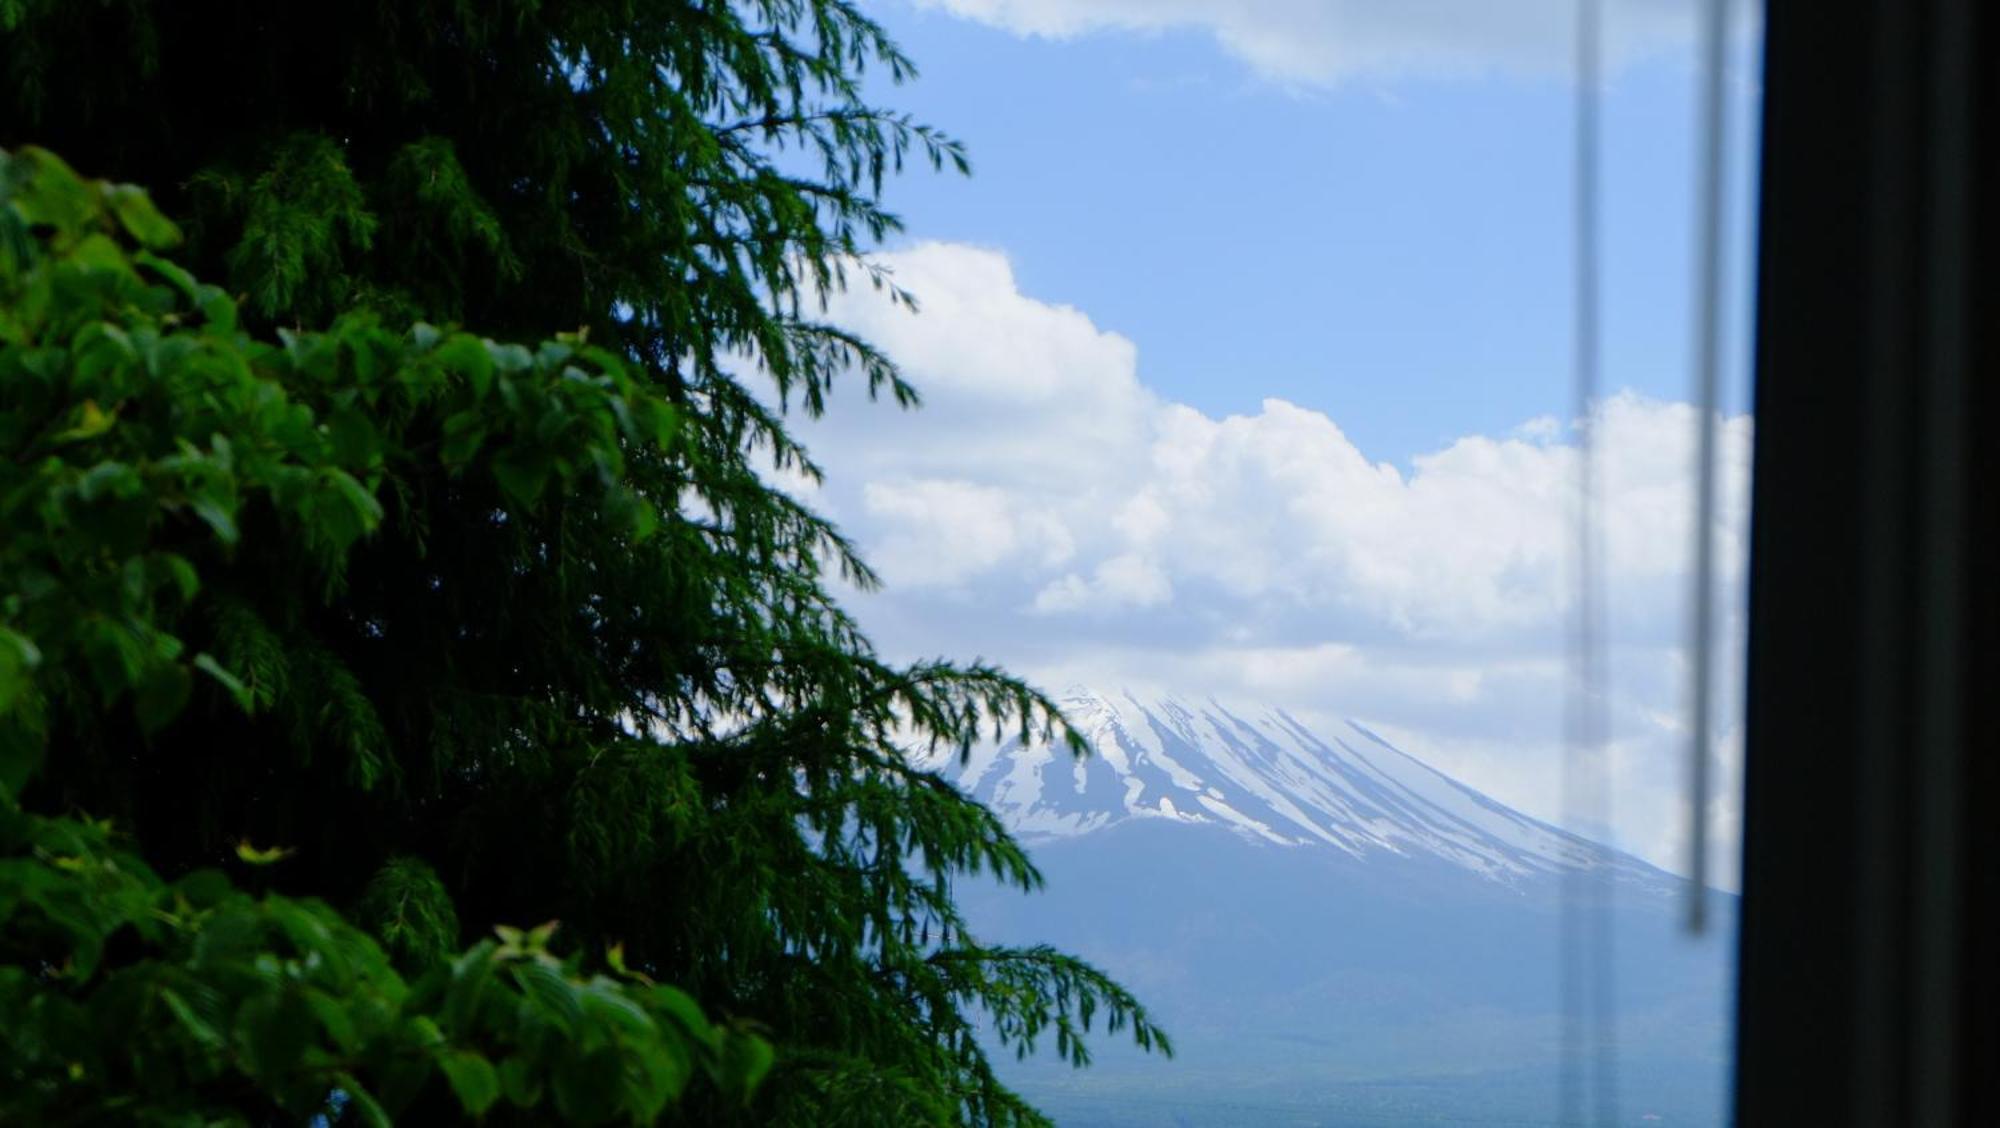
1335,932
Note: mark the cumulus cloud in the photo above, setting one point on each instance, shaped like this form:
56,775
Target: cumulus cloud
942,531
1048,510
1125,580
1323,42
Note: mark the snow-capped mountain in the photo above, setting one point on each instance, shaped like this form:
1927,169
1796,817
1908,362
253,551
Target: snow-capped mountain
1333,931
1267,777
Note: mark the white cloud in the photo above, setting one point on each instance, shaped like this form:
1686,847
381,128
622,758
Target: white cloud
940,532
1047,510
1323,42
1124,581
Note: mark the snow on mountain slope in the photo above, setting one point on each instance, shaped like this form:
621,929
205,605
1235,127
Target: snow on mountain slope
1267,777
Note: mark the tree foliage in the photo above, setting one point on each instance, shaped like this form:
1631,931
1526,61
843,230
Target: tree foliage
149,438
331,640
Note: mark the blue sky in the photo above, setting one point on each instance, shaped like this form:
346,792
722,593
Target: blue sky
1246,356
1394,250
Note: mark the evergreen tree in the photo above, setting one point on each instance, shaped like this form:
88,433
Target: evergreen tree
364,637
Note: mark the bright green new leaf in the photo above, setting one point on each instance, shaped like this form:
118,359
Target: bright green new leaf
87,421
262,856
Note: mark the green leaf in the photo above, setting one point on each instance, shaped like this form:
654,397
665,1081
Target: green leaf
472,1078
463,434
355,441
553,995
100,348
522,474
262,856
471,975
470,357
45,364
18,659
587,1087
364,1103
21,754
218,309
346,510
109,480
87,422
273,1031
681,1007
635,512
746,1060
141,220
176,275
245,699
161,694
664,422
217,514
204,1033
180,573
521,1080
361,502
512,357
335,1020
53,194
204,888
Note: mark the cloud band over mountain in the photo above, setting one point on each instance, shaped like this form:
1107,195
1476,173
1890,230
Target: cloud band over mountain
1048,510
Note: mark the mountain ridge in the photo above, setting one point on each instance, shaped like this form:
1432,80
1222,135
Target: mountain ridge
1264,775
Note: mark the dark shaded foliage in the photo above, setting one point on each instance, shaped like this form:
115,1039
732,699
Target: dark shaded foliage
449,633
